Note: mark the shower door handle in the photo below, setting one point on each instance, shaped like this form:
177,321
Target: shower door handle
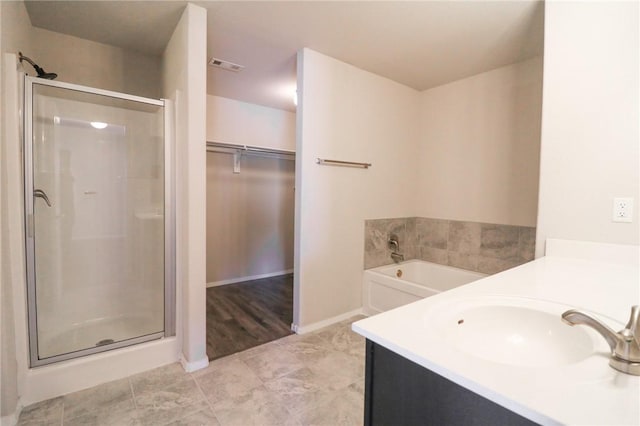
41,194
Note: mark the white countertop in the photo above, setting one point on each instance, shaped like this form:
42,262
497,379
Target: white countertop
585,392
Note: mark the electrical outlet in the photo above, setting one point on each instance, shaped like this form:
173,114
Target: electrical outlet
622,209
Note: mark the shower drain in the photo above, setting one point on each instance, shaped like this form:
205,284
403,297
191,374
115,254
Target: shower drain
104,342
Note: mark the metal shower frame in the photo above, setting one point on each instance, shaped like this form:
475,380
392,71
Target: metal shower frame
169,222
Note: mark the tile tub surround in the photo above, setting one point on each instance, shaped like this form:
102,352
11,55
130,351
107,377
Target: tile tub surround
316,378
481,247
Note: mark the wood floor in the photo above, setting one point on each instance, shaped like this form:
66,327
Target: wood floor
248,314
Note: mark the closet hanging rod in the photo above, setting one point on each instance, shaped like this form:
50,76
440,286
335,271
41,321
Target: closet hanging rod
342,163
249,148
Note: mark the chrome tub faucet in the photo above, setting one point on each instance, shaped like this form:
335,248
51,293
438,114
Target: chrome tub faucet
394,245
625,344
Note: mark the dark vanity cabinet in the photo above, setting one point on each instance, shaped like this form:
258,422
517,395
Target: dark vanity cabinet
400,392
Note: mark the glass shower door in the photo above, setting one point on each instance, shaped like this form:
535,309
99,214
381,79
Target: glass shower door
95,201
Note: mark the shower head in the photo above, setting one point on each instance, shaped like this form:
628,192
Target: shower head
47,75
40,71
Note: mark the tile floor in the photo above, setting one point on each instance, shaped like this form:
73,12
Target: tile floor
313,379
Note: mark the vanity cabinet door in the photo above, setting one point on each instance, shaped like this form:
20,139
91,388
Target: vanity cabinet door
400,392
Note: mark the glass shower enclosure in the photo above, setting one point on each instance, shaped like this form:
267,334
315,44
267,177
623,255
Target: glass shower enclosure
99,220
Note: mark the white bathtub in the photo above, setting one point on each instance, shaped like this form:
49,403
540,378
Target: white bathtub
391,286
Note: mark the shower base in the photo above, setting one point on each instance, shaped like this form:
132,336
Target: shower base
96,333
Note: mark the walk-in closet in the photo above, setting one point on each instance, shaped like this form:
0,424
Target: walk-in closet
250,231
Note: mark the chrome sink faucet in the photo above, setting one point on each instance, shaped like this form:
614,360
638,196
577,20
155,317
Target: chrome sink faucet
625,344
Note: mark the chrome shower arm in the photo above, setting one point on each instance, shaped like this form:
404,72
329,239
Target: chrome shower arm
25,58
41,73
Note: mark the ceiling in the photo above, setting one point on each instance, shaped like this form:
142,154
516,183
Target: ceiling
421,44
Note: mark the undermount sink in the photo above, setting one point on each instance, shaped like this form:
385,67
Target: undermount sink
519,332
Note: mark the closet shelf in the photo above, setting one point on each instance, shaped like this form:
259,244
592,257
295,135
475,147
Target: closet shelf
231,148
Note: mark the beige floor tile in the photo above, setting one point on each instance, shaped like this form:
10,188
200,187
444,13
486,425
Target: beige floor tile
257,407
47,412
203,417
40,422
216,364
182,393
157,378
342,338
311,379
228,379
120,414
103,396
337,369
298,391
344,407
313,337
163,415
274,363
305,351
358,386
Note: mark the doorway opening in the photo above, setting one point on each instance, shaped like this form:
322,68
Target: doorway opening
250,232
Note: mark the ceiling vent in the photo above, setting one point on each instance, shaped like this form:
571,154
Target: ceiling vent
225,65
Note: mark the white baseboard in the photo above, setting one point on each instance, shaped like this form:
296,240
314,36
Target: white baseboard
191,366
11,419
248,278
324,323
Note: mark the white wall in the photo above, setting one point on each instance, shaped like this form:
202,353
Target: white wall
250,214
15,25
345,113
242,123
590,149
93,64
479,145
184,71
80,61
249,217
